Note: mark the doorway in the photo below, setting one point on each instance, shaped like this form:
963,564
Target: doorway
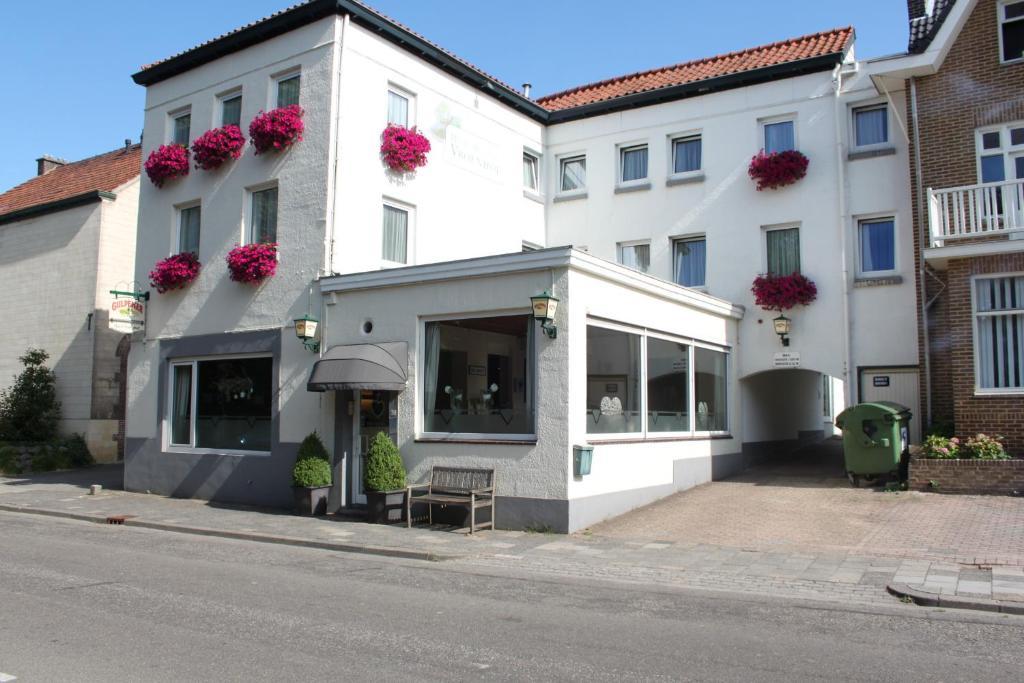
897,384
371,416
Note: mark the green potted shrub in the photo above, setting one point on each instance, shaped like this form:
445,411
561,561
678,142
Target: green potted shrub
384,481
311,477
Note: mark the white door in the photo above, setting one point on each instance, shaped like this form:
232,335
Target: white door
899,385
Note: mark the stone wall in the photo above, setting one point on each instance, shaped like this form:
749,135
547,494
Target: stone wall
999,477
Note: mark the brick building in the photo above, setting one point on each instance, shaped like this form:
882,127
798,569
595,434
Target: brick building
964,73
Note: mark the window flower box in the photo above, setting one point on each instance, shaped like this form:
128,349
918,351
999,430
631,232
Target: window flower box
783,292
174,272
252,263
403,149
277,129
166,163
778,169
214,147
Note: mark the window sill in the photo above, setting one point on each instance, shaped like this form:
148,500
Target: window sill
569,197
695,177
878,281
533,196
177,450
638,187
997,393
871,153
531,441
596,441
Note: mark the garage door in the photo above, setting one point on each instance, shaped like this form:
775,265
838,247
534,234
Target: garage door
899,385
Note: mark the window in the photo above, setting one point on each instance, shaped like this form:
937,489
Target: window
1001,153
709,369
188,229
613,381
668,386
633,164
999,333
1011,31
690,261
478,376
686,153
395,235
877,239
779,136
231,110
636,256
398,108
263,222
221,404
531,176
573,174
783,251
288,90
871,125
181,128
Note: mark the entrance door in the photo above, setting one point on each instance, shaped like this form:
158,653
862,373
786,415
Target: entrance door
372,415
899,385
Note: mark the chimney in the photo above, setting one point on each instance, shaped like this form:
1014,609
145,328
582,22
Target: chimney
46,163
526,89
127,144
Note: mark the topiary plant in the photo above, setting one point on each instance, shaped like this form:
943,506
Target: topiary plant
313,447
384,470
29,409
311,473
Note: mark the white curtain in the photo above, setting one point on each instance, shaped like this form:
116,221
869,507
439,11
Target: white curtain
288,91
231,114
188,234
779,137
398,109
529,172
396,229
687,155
634,164
574,174
691,262
637,257
431,362
872,126
182,126
181,417
1001,336
264,216
877,246
783,251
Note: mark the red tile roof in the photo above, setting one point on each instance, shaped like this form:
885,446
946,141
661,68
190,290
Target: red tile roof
783,52
105,172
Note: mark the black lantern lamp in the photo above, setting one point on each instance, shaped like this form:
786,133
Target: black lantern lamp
544,307
783,325
305,330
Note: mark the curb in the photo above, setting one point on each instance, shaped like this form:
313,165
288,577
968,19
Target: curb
928,599
380,551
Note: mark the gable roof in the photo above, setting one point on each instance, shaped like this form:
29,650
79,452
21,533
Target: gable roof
827,44
924,27
73,184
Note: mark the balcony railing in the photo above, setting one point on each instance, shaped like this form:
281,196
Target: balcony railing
976,211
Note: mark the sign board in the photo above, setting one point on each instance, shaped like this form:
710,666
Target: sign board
787,359
127,314
473,154
880,381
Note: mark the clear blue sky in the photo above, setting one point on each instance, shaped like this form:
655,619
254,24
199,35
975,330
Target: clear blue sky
76,56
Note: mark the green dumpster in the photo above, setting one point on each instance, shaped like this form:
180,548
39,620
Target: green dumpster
875,440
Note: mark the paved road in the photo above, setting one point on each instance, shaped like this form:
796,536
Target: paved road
91,603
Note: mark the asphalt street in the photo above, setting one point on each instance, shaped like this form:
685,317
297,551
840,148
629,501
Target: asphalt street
83,602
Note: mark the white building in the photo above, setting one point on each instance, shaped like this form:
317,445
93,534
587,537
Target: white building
668,383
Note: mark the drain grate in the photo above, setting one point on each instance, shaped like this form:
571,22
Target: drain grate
118,519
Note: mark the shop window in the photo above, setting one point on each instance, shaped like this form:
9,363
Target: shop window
613,382
668,386
709,369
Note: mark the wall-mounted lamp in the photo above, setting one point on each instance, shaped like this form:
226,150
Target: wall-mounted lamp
544,306
783,325
305,330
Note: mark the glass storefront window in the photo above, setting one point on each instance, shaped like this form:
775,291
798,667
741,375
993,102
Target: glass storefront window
709,369
668,386
613,382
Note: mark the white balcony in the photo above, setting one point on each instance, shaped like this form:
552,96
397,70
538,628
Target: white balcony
973,212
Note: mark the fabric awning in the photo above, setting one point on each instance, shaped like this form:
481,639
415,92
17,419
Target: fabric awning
361,366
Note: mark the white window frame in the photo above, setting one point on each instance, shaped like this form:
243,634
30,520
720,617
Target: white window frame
621,153
247,216
421,333
644,434
633,243
194,361
1006,149
1000,20
684,137
223,97
691,238
873,218
178,209
409,96
172,118
562,161
276,78
765,229
975,315
410,231
869,106
537,157
782,118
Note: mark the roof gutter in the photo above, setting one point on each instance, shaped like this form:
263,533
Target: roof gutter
58,205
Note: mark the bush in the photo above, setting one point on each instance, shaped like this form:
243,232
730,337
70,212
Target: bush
384,469
939,447
941,428
29,410
311,473
313,447
9,461
50,457
982,447
76,451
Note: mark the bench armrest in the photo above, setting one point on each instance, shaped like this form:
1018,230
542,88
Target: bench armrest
412,487
486,489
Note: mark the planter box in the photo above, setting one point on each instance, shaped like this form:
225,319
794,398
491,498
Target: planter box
385,507
311,501
996,477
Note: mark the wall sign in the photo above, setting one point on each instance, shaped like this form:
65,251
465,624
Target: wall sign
787,359
127,314
471,153
477,371
880,381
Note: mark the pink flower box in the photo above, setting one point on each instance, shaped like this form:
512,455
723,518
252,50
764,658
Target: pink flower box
214,147
783,292
174,272
403,149
166,163
277,129
252,263
778,169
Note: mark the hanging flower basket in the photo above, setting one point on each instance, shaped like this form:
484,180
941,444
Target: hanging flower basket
211,149
277,129
174,272
403,149
783,292
166,163
778,169
252,263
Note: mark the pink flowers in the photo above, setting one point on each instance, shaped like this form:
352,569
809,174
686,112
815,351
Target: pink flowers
166,162
783,292
403,149
777,169
174,272
276,129
252,263
214,147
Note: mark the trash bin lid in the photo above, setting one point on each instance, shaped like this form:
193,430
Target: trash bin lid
876,410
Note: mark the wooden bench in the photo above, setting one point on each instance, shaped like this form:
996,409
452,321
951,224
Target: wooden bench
470,487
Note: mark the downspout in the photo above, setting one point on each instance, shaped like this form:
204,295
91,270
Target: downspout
837,83
328,266
922,212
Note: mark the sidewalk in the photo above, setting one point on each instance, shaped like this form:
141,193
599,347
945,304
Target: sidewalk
843,577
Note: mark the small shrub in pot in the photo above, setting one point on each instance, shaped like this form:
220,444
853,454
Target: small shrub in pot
384,480
311,482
